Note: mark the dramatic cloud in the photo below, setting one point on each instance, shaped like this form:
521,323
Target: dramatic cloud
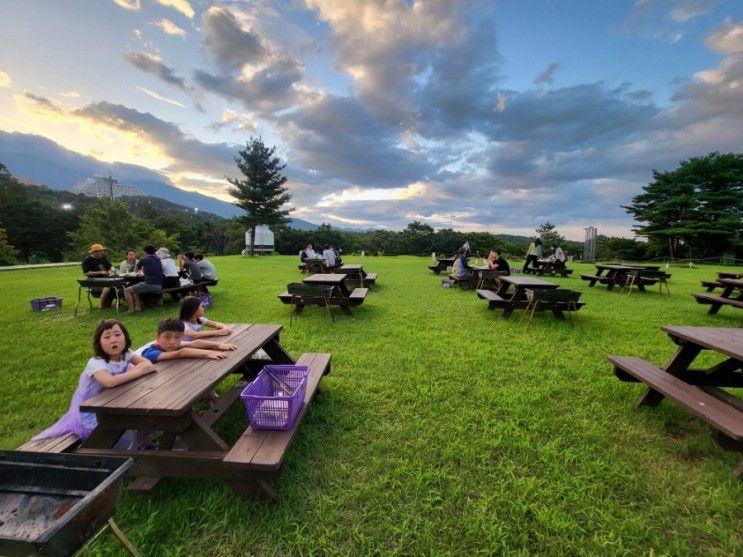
169,28
181,5
230,45
154,65
5,80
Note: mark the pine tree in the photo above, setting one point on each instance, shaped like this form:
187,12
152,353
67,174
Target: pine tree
261,193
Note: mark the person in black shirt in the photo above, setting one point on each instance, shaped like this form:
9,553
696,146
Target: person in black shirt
96,264
152,271
500,263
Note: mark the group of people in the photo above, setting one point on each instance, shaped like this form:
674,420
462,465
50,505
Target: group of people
114,362
330,255
534,254
157,270
462,270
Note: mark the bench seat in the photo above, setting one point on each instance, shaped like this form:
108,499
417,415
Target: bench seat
370,278
708,403
494,300
357,296
58,444
710,285
594,279
717,301
260,453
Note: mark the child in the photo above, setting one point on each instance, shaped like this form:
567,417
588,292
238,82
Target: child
112,364
168,346
192,315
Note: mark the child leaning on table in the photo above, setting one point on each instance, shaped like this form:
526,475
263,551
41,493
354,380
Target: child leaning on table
112,364
192,315
169,344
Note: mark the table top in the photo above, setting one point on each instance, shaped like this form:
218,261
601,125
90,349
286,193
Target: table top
325,278
623,267
528,282
178,384
350,268
721,339
100,281
728,274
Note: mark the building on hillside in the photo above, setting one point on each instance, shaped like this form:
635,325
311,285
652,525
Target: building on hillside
263,240
104,186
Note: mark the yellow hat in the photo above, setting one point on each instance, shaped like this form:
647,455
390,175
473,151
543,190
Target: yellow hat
96,247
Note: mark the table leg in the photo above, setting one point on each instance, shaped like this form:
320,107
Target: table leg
678,363
200,437
79,293
103,438
277,353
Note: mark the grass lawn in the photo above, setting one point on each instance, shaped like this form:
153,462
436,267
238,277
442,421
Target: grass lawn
442,429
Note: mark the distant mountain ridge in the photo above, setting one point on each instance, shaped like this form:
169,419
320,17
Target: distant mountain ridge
43,161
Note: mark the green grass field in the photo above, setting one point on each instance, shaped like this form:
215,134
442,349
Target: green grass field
442,429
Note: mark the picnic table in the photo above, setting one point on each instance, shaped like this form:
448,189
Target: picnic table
442,264
698,390
323,290
356,272
731,295
614,274
117,285
711,285
516,299
189,447
313,265
486,277
548,267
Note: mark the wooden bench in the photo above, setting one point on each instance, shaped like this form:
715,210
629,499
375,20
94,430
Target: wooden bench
258,455
552,271
59,444
711,404
300,294
593,279
371,278
494,300
710,285
470,281
357,296
717,301
197,288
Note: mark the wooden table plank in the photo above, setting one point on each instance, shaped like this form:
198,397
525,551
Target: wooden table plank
725,340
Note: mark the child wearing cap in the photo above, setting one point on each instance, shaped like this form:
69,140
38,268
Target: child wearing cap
96,264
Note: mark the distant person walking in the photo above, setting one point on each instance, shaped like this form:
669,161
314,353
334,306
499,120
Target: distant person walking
533,254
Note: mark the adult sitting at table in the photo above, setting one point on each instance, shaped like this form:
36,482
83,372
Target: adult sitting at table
328,256
206,268
460,269
499,263
558,257
171,278
307,251
129,265
190,268
151,269
533,255
96,264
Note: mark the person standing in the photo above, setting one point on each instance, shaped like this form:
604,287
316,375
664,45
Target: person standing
533,255
97,265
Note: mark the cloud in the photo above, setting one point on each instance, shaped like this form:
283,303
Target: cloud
154,65
547,75
230,45
159,97
69,94
5,80
169,28
181,5
128,4
689,9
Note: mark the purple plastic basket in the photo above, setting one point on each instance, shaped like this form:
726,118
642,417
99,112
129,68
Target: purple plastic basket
46,304
275,397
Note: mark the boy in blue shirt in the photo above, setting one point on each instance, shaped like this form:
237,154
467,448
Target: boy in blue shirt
168,346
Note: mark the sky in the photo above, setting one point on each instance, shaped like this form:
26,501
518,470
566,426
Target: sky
475,115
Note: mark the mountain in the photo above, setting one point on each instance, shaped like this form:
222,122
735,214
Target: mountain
40,160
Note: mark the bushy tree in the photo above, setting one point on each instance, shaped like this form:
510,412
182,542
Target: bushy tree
7,252
549,235
699,205
261,193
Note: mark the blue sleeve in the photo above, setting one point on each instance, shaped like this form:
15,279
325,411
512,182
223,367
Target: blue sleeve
152,353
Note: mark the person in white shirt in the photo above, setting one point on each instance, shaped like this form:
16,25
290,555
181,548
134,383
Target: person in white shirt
329,256
558,257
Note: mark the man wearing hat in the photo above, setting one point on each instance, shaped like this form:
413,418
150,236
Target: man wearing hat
96,264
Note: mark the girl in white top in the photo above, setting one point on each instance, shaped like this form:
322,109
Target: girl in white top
113,364
192,315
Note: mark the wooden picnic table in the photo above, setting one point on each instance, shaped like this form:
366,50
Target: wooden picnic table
612,274
337,293
442,263
356,272
486,277
731,295
314,265
189,447
117,284
549,267
699,390
517,299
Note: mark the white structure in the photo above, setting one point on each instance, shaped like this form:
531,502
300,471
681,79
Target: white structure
589,245
104,186
263,240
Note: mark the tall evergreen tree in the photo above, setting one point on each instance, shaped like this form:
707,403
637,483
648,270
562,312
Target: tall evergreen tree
261,193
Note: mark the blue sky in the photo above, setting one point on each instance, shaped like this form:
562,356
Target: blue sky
476,115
